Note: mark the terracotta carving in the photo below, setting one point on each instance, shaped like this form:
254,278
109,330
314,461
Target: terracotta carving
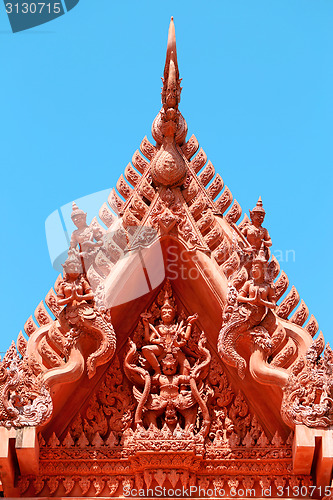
85,237
244,314
80,317
24,397
168,410
257,235
308,393
167,385
167,338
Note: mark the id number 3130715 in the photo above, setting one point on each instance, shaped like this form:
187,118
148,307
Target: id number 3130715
33,8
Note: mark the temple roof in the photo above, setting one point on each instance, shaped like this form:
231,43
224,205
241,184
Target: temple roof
170,237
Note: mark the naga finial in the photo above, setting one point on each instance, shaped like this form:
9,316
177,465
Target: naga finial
170,122
171,82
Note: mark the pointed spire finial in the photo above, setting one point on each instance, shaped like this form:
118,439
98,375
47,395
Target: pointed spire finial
171,51
171,82
169,121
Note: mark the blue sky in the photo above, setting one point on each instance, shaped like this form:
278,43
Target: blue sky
80,93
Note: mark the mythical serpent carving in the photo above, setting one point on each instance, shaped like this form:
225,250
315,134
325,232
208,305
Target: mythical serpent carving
243,314
82,335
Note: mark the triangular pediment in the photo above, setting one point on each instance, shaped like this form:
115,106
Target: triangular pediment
167,354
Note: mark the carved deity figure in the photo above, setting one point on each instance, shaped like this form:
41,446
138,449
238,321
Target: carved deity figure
170,397
248,309
86,238
167,337
169,370
81,316
256,234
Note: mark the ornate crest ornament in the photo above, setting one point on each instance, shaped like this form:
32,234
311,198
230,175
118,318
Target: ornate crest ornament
208,381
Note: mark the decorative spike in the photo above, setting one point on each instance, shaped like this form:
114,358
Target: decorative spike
199,161
68,441
312,326
30,326
52,303
94,224
139,162
273,267
281,285
97,440
52,484
216,187
190,147
123,188
277,440
53,442
224,201
301,314
171,50
68,484
115,202
41,315
21,344
58,282
139,207
84,484
234,213
207,174
131,175
103,264
147,149
95,279
171,81
82,442
288,304
111,440
106,215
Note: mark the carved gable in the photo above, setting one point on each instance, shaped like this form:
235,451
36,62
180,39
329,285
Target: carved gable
167,357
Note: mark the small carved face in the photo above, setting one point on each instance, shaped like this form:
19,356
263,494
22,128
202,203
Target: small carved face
257,218
73,269
169,366
171,415
168,313
80,220
258,270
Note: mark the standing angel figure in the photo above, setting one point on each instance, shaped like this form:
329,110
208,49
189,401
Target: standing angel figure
257,235
87,238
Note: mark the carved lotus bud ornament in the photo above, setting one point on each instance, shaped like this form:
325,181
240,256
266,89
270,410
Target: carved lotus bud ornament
168,168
